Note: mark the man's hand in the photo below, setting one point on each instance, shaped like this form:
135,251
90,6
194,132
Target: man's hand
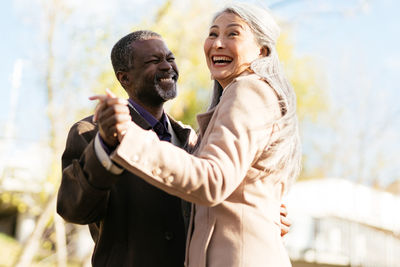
285,222
112,116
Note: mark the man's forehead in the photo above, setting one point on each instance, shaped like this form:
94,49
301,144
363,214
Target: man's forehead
150,46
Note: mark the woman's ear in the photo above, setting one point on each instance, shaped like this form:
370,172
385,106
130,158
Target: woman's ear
264,51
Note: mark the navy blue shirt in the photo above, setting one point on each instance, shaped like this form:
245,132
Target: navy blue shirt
159,126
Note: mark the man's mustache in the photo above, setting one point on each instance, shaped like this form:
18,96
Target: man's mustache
171,74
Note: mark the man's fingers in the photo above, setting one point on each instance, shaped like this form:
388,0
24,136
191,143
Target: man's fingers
111,121
110,111
116,101
110,94
99,107
122,129
102,99
99,97
110,106
117,131
109,100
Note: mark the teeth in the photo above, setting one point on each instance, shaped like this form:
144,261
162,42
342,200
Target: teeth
166,79
221,58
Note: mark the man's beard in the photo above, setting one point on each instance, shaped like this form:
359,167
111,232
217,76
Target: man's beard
166,94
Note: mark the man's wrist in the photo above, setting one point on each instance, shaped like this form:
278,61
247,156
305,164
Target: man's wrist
107,148
103,157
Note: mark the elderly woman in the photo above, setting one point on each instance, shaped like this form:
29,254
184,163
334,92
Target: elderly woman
248,153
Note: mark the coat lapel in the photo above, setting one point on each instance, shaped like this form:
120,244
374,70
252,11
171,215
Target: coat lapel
203,120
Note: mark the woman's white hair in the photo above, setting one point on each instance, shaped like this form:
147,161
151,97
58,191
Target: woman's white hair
287,150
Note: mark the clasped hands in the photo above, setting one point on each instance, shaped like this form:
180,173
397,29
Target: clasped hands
113,118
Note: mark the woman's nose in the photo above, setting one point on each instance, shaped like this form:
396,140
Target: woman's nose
219,43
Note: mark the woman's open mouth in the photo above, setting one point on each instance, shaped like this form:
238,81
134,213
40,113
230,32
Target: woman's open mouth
221,60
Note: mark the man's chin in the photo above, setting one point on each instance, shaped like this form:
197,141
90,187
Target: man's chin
166,92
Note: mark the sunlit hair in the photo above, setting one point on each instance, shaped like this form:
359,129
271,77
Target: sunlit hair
122,52
286,151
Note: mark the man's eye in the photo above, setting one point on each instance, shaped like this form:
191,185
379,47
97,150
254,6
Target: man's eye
171,59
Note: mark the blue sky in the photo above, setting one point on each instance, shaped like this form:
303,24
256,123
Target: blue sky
355,45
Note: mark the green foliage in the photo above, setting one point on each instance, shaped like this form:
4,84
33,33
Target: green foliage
184,26
10,248
304,77
184,31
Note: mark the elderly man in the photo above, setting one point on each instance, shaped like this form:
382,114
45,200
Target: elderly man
132,223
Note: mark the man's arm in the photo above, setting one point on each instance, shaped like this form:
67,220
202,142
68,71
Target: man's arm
86,183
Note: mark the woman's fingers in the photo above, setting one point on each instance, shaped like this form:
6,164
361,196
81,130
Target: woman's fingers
283,210
284,229
285,222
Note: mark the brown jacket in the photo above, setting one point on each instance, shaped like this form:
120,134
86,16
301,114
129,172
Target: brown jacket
132,223
236,216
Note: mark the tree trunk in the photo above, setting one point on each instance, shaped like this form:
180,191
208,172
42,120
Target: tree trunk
32,243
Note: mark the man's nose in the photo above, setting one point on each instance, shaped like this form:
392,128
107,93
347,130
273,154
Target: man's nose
165,65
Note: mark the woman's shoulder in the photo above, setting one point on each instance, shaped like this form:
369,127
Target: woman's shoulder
251,79
252,84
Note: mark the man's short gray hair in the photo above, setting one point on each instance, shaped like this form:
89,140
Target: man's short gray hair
122,52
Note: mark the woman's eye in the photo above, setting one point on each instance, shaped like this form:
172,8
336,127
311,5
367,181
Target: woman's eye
233,34
212,34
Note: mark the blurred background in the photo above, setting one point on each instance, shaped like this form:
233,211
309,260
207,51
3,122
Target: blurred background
342,57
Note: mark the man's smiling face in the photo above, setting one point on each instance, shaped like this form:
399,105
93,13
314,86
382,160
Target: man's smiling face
154,72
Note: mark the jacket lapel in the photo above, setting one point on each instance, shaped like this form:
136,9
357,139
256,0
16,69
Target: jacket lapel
138,119
183,133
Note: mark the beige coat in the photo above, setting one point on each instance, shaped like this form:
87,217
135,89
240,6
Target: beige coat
237,199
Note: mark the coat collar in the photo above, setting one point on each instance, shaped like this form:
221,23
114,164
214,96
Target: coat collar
203,120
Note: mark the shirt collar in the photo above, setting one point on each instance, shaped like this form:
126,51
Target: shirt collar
151,119
147,115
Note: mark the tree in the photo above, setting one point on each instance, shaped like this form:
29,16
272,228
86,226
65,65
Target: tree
184,26
60,36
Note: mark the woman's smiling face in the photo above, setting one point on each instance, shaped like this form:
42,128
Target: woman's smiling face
230,48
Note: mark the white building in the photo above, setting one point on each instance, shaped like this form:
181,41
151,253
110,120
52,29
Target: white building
339,223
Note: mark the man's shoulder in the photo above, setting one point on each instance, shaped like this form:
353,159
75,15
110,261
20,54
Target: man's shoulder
84,127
